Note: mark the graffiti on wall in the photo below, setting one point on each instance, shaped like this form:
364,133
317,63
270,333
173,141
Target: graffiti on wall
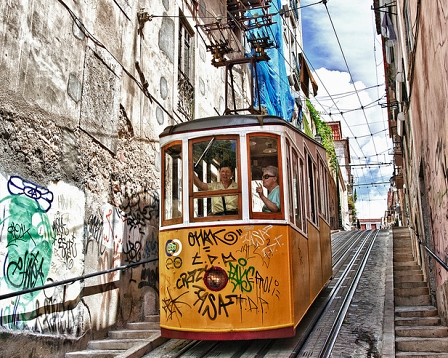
46,238
29,236
245,254
39,243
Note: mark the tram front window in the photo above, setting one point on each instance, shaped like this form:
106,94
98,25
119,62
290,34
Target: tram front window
265,174
215,190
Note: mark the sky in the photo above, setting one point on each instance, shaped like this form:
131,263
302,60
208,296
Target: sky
344,53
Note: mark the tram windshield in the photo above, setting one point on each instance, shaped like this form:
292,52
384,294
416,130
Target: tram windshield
215,164
216,174
265,173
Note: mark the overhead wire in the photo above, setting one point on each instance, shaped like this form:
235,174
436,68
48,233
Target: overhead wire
338,96
362,107
348,68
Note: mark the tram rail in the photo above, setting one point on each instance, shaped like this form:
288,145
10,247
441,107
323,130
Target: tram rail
316,334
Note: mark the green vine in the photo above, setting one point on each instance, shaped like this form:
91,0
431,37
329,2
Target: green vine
325,132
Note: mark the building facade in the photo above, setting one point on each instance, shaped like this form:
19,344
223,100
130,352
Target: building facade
415,56
345,178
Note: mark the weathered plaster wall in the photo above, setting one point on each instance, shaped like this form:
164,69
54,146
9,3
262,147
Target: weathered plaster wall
427,139
85,90
79,176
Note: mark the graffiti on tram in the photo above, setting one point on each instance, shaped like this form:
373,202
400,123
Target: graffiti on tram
246,256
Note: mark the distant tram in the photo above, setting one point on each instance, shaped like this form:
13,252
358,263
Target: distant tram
230,268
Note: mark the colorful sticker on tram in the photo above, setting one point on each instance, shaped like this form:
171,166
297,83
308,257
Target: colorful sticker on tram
173,247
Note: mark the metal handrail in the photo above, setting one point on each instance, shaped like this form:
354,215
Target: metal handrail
72,280
438,259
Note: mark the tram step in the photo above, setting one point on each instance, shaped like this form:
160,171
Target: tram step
412,344
416,311
421,331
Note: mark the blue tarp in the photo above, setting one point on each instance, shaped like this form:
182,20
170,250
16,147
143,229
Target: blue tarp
275,93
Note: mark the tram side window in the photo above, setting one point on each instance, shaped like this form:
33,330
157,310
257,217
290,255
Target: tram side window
312,212
172,183
298,191
323,190
214,173
300,215
291,182
265,172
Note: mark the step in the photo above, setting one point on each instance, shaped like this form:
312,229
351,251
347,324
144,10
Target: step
137,349
412,291
422,300
417,321
415,311
408,277
152,318
421,355
412,344
407,284
133,333
108,344
400,230
403,273
421,331
405,264
143,325
102,353
402,250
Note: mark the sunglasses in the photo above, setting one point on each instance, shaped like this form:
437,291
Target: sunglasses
267,176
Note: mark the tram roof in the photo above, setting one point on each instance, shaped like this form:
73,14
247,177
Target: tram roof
227,121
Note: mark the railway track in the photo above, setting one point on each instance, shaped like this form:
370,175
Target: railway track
316,334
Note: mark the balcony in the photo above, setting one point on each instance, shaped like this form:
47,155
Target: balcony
185,103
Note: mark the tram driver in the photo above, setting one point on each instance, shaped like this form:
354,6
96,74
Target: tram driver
221,205
270,182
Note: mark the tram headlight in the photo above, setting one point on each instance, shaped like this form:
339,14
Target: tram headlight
215,278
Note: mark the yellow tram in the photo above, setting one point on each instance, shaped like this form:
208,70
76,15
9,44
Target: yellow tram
231,268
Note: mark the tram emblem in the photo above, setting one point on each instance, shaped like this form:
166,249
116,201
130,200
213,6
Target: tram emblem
173,247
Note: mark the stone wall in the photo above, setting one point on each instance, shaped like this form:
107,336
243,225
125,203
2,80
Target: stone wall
79,172
425,137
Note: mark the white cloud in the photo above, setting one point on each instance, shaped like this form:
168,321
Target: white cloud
365,128
367,132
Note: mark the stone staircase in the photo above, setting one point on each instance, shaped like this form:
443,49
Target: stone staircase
418,329
136,340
